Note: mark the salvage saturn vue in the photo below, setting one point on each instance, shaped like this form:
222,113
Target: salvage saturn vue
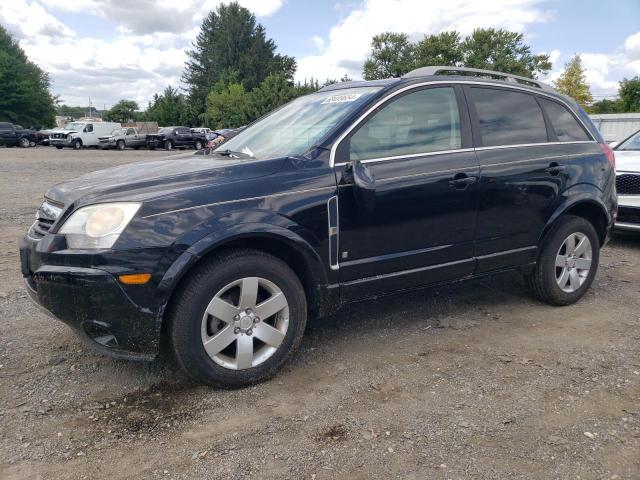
355,191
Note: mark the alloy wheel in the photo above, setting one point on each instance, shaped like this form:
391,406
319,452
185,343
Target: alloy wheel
245,323
573,262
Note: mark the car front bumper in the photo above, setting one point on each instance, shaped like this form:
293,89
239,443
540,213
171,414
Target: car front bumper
115,319
628,213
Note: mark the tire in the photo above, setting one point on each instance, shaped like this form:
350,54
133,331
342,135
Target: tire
120,145
168,145
32,144
557,265
23,143
198,145
59,147
190,326
77,144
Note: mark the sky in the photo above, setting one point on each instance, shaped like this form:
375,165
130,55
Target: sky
108,50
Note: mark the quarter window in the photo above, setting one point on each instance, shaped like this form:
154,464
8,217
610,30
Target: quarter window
420,122
508,118
564,124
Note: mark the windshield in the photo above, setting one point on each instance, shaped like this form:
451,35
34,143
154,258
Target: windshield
75,126
631,143
119,131
300,124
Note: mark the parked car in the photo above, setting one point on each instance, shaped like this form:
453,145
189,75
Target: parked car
78,135
42,137
222,135
123,137
355,191
628,183
15,135
207,132
176,137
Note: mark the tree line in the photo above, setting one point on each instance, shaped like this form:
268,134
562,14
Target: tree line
234,74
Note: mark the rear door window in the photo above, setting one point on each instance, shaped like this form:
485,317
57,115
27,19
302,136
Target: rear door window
564,124
419,122
507,117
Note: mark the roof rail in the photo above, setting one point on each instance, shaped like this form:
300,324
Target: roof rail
435,70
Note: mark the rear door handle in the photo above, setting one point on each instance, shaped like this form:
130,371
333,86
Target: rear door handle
461,181
554,168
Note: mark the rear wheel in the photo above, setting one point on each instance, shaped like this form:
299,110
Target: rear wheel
238,319
568,262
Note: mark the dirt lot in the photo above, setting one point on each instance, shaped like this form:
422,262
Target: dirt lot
476,380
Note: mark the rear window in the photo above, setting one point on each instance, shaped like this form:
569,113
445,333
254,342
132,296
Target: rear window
508,118
564,123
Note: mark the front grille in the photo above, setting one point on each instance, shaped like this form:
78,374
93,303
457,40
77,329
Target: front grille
628,184
47,214
628,215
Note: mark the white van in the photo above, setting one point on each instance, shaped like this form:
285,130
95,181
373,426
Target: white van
82,134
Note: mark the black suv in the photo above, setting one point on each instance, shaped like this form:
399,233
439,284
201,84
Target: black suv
358,190
176,137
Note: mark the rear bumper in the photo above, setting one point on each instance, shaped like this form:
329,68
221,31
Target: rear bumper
94,304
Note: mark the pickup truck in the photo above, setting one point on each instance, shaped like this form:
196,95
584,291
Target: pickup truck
121,138
12,135
176,137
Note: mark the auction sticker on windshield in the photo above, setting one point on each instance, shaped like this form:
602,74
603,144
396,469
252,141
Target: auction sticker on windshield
344,98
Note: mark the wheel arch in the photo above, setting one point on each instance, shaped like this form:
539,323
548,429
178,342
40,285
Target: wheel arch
588,207
277,241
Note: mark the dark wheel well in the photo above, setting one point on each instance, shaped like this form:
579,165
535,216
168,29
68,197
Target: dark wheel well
279,249
594,215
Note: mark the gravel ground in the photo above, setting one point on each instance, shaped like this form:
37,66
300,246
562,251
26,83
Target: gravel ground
475,380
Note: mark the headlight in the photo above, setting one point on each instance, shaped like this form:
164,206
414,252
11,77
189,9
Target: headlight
98,226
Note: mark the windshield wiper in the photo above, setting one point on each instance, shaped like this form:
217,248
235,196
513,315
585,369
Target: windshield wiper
233,154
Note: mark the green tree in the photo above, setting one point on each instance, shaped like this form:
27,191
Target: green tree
573,82
391,56
24,87
229,107
124,111
503,51
630,94
606,106
274,91
231,48
442,49
167,109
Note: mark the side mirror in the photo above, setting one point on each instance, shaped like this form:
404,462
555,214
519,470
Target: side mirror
364,184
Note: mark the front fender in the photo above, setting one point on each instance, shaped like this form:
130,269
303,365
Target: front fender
219,233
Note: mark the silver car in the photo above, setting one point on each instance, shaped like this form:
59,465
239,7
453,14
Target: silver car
628,183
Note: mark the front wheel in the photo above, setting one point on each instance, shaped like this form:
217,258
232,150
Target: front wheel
568,262
198,145
120,145
168,145
237,319
23,142
77,144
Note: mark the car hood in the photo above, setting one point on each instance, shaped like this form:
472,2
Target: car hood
627,160
152,179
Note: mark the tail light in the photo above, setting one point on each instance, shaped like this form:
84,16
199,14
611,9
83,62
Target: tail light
611,158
